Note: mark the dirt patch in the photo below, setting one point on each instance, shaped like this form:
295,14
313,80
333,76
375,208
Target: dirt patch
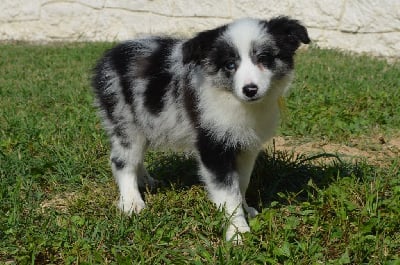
60,202
396,142
378,151
92,193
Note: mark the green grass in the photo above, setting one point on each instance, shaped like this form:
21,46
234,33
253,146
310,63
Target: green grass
57,194
338,96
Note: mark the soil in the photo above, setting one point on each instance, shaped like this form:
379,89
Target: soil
377,151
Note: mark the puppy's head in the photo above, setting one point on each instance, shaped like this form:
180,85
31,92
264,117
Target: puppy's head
248,55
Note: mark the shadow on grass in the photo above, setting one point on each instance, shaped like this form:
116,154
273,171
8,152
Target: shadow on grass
282,172
275,173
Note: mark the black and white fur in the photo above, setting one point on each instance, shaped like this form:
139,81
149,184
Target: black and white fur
215,95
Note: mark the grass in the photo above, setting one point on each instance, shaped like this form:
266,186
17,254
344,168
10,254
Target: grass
343,96
57,194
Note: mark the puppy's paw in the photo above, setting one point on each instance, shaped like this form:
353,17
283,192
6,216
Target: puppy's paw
252,212
146,181
233,233
151,182
129,206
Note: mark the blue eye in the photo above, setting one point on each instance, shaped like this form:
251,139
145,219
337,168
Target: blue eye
230,66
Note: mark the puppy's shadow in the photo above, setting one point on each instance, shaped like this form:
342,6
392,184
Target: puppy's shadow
275,173
178,170
283,172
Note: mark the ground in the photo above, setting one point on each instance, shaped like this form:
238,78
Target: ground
375,150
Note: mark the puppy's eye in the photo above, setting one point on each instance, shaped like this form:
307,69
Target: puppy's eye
265,57
230,66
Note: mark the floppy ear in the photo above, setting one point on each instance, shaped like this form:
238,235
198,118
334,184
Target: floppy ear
289,33
195,49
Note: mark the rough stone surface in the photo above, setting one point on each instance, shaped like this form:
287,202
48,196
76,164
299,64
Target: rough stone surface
365,26
19,10
371,16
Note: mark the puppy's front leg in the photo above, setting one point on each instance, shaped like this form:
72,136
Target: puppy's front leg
226,195
218,171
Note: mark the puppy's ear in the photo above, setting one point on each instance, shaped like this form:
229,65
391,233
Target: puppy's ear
196,49
288,33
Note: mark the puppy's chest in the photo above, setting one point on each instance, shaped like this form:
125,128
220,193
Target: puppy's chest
237,123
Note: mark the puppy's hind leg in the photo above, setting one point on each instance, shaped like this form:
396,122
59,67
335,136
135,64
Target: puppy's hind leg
127,164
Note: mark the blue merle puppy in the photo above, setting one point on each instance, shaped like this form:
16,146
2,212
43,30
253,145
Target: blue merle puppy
214,95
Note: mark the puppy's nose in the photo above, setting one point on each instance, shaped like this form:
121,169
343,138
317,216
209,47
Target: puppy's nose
250,90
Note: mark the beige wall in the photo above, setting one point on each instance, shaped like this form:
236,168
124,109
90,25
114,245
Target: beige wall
371,26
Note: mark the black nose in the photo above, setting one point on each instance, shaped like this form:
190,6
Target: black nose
250,90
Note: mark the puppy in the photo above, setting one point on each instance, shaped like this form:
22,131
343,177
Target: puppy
214,95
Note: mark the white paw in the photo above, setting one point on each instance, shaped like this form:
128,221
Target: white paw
131,205
233,233
252,212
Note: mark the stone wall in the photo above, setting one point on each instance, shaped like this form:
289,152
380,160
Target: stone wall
371,26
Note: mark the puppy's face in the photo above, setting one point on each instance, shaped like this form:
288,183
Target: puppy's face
245,57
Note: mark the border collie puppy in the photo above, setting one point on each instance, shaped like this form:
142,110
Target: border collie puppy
214,95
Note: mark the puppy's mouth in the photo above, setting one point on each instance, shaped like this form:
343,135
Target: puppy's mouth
253,99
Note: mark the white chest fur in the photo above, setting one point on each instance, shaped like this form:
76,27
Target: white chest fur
236,122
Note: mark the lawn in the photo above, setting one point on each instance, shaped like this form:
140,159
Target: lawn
58,196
